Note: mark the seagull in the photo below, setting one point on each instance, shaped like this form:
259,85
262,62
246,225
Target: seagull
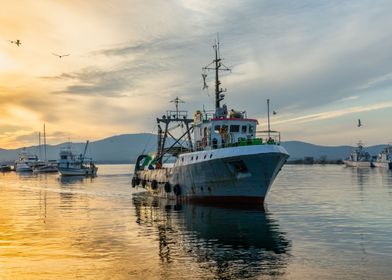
16,42
359,123
204,81
60,55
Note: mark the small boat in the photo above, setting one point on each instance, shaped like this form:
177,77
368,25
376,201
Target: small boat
72,165
26,161
4,167
384,158
50,166
359,158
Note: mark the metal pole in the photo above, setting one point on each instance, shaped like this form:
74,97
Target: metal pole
269,127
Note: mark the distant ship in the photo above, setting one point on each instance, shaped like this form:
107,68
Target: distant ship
72,165
224,162
384,158
359,158
26,161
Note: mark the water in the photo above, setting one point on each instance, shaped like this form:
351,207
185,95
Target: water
324,222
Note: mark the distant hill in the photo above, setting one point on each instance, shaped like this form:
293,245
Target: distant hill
299,150
125,149
116,149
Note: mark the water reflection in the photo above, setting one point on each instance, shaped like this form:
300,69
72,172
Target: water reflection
226,243
71,180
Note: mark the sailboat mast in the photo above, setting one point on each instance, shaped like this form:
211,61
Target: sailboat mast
39,144
45,143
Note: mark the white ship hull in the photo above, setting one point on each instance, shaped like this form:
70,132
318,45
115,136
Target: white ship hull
78,171
359,164
385,164
236,174
23,167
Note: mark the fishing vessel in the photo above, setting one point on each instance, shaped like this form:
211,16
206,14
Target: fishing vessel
71,164
384,158
25,161
359,158
225,161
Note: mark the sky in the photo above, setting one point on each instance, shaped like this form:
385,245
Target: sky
322,64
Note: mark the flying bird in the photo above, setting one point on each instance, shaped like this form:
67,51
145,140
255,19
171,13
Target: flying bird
204,81
16,42
274,112
359,123
60,55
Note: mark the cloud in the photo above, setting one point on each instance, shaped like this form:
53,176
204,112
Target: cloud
335,113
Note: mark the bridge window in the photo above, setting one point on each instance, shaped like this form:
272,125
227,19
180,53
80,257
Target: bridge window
234,128
251,129
217,128
243,129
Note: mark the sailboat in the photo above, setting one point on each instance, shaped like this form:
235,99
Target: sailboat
46,166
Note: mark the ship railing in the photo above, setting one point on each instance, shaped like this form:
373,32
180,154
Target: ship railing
180,114
271,138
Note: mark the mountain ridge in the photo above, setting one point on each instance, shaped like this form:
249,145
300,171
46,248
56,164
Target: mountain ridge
125,148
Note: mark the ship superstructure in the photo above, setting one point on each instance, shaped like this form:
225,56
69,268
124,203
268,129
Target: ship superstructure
224,161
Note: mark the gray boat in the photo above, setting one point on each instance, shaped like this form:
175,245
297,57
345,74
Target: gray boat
226,160
359,158
384,158
72,165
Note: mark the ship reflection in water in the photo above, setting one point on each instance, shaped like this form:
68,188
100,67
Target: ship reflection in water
225,242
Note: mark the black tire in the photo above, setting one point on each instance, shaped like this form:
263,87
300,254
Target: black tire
167,187
137,180
144,182
154,184
177,190
133,182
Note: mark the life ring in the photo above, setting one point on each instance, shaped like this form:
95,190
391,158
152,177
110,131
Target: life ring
167,187
154,184
177,190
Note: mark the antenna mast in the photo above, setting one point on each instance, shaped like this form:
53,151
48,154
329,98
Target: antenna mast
217,66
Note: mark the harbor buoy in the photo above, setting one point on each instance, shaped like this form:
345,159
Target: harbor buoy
167,187
177,190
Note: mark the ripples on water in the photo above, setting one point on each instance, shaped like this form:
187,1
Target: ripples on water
325,222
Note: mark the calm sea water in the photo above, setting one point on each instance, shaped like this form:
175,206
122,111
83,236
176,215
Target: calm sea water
321,222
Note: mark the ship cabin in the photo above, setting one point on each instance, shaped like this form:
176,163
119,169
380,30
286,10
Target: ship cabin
223,130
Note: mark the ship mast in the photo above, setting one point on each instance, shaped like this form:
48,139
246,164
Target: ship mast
217,66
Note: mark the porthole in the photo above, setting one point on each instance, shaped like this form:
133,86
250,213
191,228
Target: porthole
197,157
210,155
205,156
